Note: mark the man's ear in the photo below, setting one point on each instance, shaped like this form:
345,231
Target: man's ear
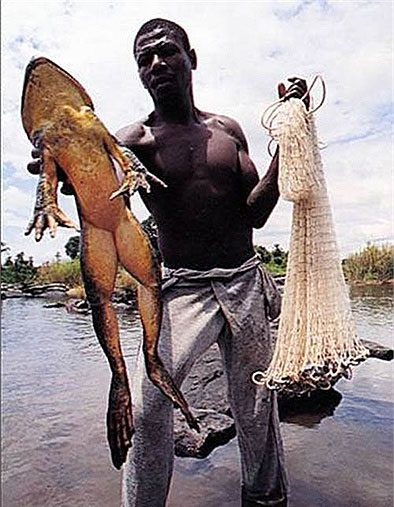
193,58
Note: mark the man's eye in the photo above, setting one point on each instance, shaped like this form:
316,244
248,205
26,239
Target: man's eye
143,60
168,51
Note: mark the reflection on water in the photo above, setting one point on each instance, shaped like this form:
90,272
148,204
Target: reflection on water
311,410
54,387
55,382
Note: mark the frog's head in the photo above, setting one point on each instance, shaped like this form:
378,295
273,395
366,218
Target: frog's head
165,60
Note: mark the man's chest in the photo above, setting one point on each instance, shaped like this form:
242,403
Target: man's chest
181,156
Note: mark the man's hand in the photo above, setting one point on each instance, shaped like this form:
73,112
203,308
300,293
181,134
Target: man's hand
297,90
34,167
119,419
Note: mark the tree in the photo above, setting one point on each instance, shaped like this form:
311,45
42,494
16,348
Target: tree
18,271
72,247
263,253
150,228
278,255
8,262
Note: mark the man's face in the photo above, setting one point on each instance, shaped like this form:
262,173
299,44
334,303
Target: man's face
164,65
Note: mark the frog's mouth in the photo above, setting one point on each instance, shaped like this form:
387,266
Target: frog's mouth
30,66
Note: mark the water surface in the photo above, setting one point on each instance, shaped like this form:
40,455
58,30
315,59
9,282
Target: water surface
54,393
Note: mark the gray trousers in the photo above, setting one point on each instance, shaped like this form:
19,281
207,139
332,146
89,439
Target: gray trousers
231,308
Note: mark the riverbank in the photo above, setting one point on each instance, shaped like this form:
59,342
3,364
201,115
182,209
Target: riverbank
365,283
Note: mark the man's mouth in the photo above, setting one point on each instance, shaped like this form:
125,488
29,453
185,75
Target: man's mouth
161,80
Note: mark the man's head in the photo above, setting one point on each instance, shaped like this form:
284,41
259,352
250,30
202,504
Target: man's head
164,59
165,26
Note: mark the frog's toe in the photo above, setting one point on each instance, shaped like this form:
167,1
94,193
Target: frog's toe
64,221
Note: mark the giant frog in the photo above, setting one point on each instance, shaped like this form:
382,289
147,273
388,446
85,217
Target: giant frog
58,117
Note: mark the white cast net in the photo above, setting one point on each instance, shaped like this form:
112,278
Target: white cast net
317,341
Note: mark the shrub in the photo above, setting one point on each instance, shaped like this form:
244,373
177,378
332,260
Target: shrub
18,270
371,263
68,272
275,261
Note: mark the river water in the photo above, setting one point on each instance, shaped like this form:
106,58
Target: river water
54,393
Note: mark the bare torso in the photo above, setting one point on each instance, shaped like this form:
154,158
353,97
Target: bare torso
202,216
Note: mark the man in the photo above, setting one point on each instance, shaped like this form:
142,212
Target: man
214,289
205,219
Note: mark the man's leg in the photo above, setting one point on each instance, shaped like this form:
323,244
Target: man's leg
191,323
255,412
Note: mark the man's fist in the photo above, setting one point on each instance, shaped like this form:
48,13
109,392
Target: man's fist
297,90
34,167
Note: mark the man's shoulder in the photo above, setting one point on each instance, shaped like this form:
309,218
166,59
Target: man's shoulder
228,124
132,134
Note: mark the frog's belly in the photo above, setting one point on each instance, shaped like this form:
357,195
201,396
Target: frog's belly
92,176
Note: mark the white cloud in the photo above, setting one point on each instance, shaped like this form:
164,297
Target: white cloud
244,50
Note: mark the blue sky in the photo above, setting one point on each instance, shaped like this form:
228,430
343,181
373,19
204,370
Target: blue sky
244,49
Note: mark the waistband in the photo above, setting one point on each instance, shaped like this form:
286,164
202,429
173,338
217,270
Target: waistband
171,276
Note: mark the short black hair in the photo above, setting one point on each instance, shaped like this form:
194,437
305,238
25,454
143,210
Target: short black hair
166,25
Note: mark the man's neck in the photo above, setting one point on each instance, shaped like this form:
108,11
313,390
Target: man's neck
177,110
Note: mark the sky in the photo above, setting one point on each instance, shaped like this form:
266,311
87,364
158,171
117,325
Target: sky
244,50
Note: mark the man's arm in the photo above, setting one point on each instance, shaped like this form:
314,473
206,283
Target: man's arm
262,196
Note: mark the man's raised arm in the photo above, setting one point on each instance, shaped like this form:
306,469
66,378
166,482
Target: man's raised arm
264,195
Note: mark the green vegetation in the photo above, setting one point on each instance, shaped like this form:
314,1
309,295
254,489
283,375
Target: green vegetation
72,247
373,263
68,272
275,261
17,270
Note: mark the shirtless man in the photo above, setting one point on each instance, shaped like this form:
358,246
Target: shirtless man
205,220
214,290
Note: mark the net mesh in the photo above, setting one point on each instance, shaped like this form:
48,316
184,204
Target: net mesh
317,341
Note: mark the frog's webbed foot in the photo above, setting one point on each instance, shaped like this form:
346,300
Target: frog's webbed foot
161,379
47,214
48,217
119,420
136,176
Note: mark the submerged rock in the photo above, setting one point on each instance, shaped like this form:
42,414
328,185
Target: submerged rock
206,391
378,351
216,429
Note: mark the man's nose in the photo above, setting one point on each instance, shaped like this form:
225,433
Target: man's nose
157,61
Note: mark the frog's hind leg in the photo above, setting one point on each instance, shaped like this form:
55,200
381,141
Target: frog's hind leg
135,254
99,262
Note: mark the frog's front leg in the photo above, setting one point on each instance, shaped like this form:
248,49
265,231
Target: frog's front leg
47,213
136,175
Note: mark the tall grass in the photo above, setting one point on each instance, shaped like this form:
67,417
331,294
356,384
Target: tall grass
372,263
68,272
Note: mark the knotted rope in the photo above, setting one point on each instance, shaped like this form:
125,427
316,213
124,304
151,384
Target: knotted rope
317,341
